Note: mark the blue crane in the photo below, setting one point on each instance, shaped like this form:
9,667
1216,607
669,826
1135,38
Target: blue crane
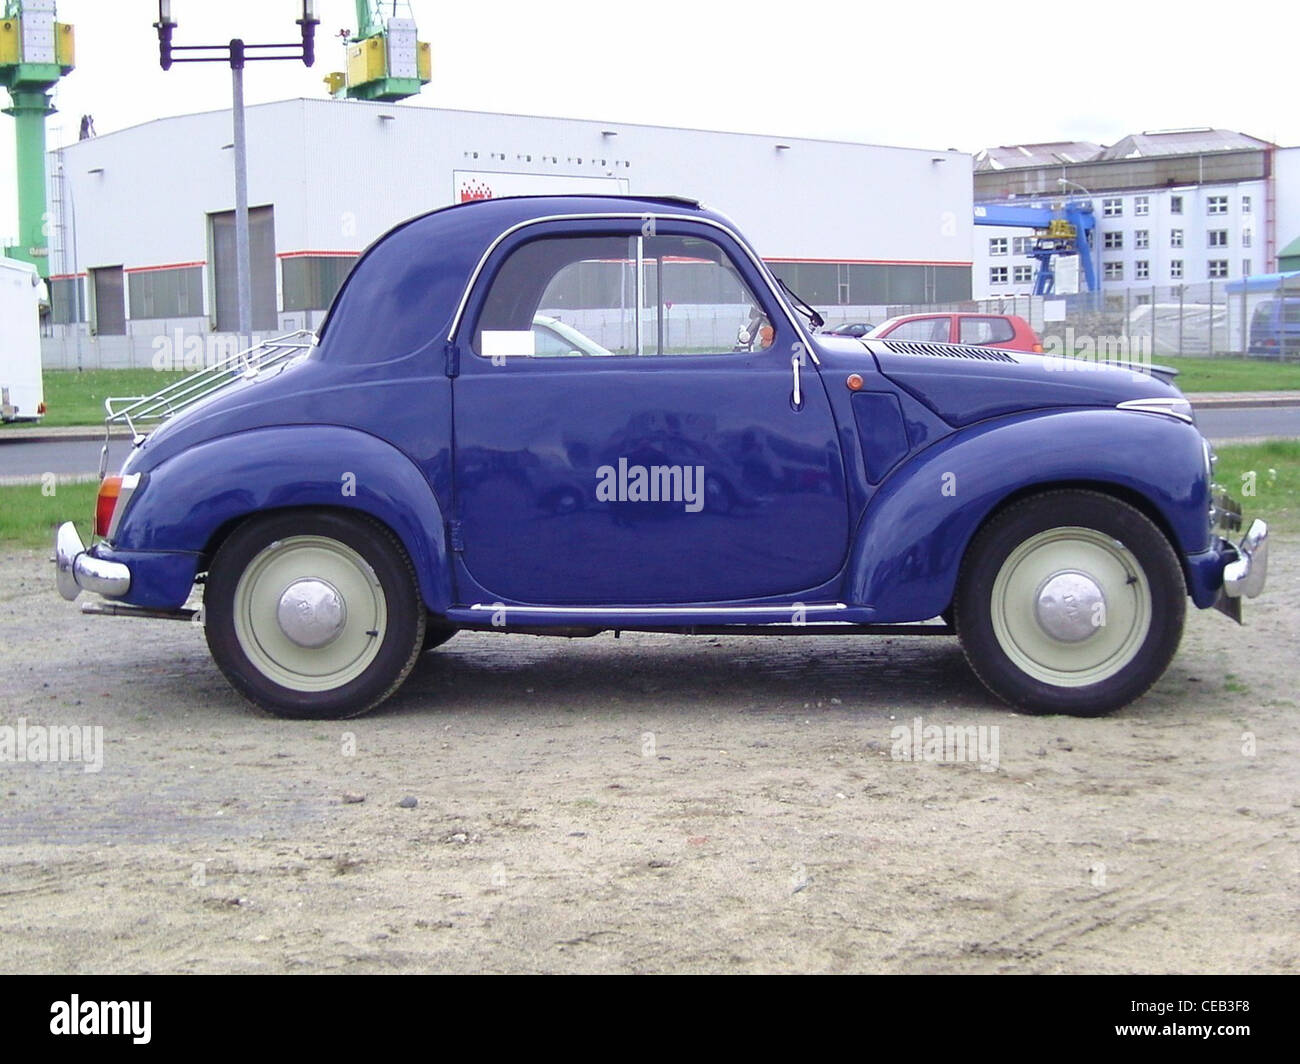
1065,230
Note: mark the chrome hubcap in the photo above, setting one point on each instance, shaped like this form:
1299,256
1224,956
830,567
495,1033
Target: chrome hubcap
1070,606
311,613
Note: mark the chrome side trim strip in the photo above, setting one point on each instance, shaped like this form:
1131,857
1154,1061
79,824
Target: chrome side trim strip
662,611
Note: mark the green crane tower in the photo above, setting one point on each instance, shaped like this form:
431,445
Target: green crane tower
384,59
35,51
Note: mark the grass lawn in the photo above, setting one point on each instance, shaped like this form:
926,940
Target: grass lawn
77,398
1227,374
1273,492
28,517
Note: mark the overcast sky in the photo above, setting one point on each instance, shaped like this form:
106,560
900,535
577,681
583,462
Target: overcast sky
935,74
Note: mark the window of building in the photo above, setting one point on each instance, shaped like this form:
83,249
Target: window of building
67,300
1246,268
1175,238
1142,270
1245,205
1112,240
1216,204
1176,268
166,293
311,281
997,275
1112,208
1142,206
1022,275
998,245
1022,245
528,311
1218,238
1247,238
1112,271
1218,268
1141,238
1175,204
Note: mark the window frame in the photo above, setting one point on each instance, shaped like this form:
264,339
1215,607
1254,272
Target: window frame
749,268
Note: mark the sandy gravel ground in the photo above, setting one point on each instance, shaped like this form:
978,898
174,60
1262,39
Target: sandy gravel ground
648,804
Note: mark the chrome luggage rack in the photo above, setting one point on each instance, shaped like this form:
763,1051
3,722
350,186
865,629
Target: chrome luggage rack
135,411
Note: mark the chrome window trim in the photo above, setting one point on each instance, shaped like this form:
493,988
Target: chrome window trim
453,333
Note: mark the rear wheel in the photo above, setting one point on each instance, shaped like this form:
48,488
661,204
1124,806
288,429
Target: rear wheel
1070,602
313,614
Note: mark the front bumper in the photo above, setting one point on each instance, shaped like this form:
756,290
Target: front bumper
77,570
1244,576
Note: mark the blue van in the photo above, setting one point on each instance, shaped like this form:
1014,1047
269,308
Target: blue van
1275,328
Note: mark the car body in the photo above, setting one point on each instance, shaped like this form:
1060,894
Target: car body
415,468
856,329
1275,328
1005,331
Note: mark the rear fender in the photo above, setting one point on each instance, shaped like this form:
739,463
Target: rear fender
189,497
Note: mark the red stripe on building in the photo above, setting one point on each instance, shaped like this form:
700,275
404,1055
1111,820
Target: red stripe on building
164,266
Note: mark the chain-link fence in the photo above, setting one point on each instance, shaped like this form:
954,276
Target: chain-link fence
1256,317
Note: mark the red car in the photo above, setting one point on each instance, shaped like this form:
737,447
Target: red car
982,330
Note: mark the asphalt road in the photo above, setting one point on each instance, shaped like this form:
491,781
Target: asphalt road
81,457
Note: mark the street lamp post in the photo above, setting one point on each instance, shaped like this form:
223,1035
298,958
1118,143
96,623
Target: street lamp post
237,53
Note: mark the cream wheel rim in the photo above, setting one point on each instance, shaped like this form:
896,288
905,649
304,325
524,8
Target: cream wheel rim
310,613
1071,606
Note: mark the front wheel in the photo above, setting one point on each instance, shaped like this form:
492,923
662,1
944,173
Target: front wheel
1070,602
313,614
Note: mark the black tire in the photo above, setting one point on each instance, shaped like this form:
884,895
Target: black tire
435,634
1031,648
282,676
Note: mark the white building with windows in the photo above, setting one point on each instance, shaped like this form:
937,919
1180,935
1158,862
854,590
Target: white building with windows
1186,207
142,240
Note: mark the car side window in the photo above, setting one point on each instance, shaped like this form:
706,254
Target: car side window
931,330
603,296
985,330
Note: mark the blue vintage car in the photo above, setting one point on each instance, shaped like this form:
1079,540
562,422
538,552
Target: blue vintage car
705,464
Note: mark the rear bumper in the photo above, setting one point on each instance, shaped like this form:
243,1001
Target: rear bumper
78,570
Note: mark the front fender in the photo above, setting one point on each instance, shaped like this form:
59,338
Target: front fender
915,531
188,497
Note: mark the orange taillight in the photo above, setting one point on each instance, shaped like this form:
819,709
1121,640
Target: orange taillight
109,489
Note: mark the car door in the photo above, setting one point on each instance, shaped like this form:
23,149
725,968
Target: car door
675,467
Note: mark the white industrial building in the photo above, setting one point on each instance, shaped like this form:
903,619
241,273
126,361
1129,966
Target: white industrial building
141,242
1173,209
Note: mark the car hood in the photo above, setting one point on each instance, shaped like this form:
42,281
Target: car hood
968,384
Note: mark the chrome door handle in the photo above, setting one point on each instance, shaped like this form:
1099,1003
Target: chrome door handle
797,397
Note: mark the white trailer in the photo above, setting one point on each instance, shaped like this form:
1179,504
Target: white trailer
21,395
